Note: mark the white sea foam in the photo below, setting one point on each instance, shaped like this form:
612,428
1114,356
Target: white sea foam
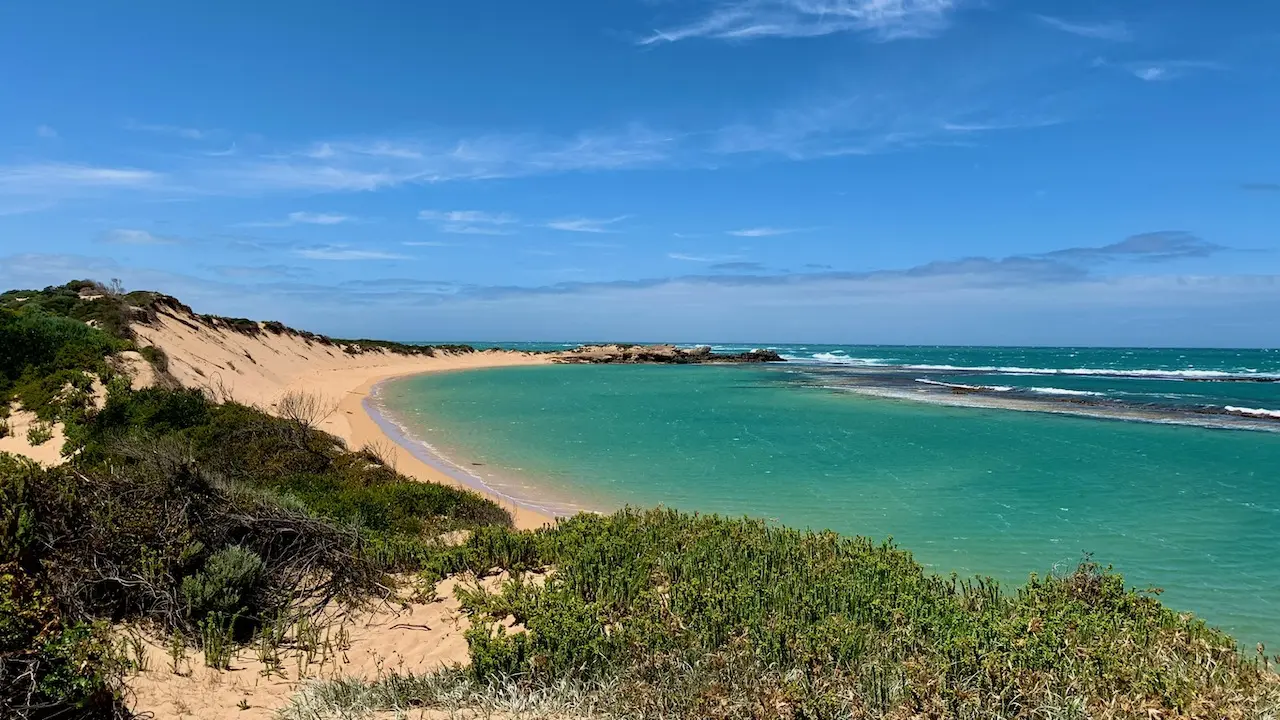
1255,412
1064,391
1246,373
962,386
840,358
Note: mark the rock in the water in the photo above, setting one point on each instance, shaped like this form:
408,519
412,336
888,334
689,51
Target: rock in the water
661,354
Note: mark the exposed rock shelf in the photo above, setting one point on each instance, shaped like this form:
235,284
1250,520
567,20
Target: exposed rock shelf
660,354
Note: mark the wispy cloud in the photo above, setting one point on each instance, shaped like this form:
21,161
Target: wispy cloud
136,237
992,300
65,178
1163,70
470,222
750,19
1113,30
46,132
763,232
686,257
738,267
304,218
1158,246
870,117
342,252
223,153
173,130
260,272
373,164
426,243
587,225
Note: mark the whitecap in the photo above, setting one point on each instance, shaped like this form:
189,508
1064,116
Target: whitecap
1255,412
1243,374
1064,391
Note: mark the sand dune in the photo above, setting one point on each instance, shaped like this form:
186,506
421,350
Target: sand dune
260,368
15,441
401,636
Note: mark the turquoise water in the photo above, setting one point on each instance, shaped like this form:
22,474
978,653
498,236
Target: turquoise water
1001,493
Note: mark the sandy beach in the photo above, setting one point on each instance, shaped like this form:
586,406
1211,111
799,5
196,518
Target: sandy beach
354,424
260,369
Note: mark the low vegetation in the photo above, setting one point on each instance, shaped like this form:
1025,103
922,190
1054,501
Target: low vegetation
663,614
215,523
220,526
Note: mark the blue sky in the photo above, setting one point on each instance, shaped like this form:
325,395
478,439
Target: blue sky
880,171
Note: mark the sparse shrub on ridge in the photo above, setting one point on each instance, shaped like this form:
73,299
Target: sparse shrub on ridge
39,433
226,584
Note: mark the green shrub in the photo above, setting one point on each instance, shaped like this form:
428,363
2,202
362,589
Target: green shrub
4,428
25,608
39,433
496,654
226,584
156,357
80,667
47,670
695,616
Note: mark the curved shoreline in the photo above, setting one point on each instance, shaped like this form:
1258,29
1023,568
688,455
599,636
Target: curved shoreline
359,423
424,452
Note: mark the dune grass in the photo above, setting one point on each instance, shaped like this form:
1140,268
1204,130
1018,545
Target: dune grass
662,614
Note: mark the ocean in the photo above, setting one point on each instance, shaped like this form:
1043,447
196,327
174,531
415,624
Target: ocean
825,442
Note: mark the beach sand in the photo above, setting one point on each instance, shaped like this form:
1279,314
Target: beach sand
260,369
15,441
401,636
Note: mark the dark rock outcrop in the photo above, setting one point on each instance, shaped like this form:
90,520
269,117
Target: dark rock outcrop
660,354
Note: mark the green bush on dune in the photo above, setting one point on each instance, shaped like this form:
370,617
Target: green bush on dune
193,517
217,522
663,614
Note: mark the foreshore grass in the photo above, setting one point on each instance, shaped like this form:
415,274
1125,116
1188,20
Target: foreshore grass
661,614
221,525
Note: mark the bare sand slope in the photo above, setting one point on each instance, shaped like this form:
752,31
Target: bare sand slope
401,637
15,441
261,368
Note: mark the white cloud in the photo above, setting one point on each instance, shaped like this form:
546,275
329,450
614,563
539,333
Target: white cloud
174,130
65,178
1114,30
1168,69
750,19
586,225
374,164
45,131
308,218
268,175
684,257
467,216
469,222
763,232
1151,73
340,252
303,218
136,237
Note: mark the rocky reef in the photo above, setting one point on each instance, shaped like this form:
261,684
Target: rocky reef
661,354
